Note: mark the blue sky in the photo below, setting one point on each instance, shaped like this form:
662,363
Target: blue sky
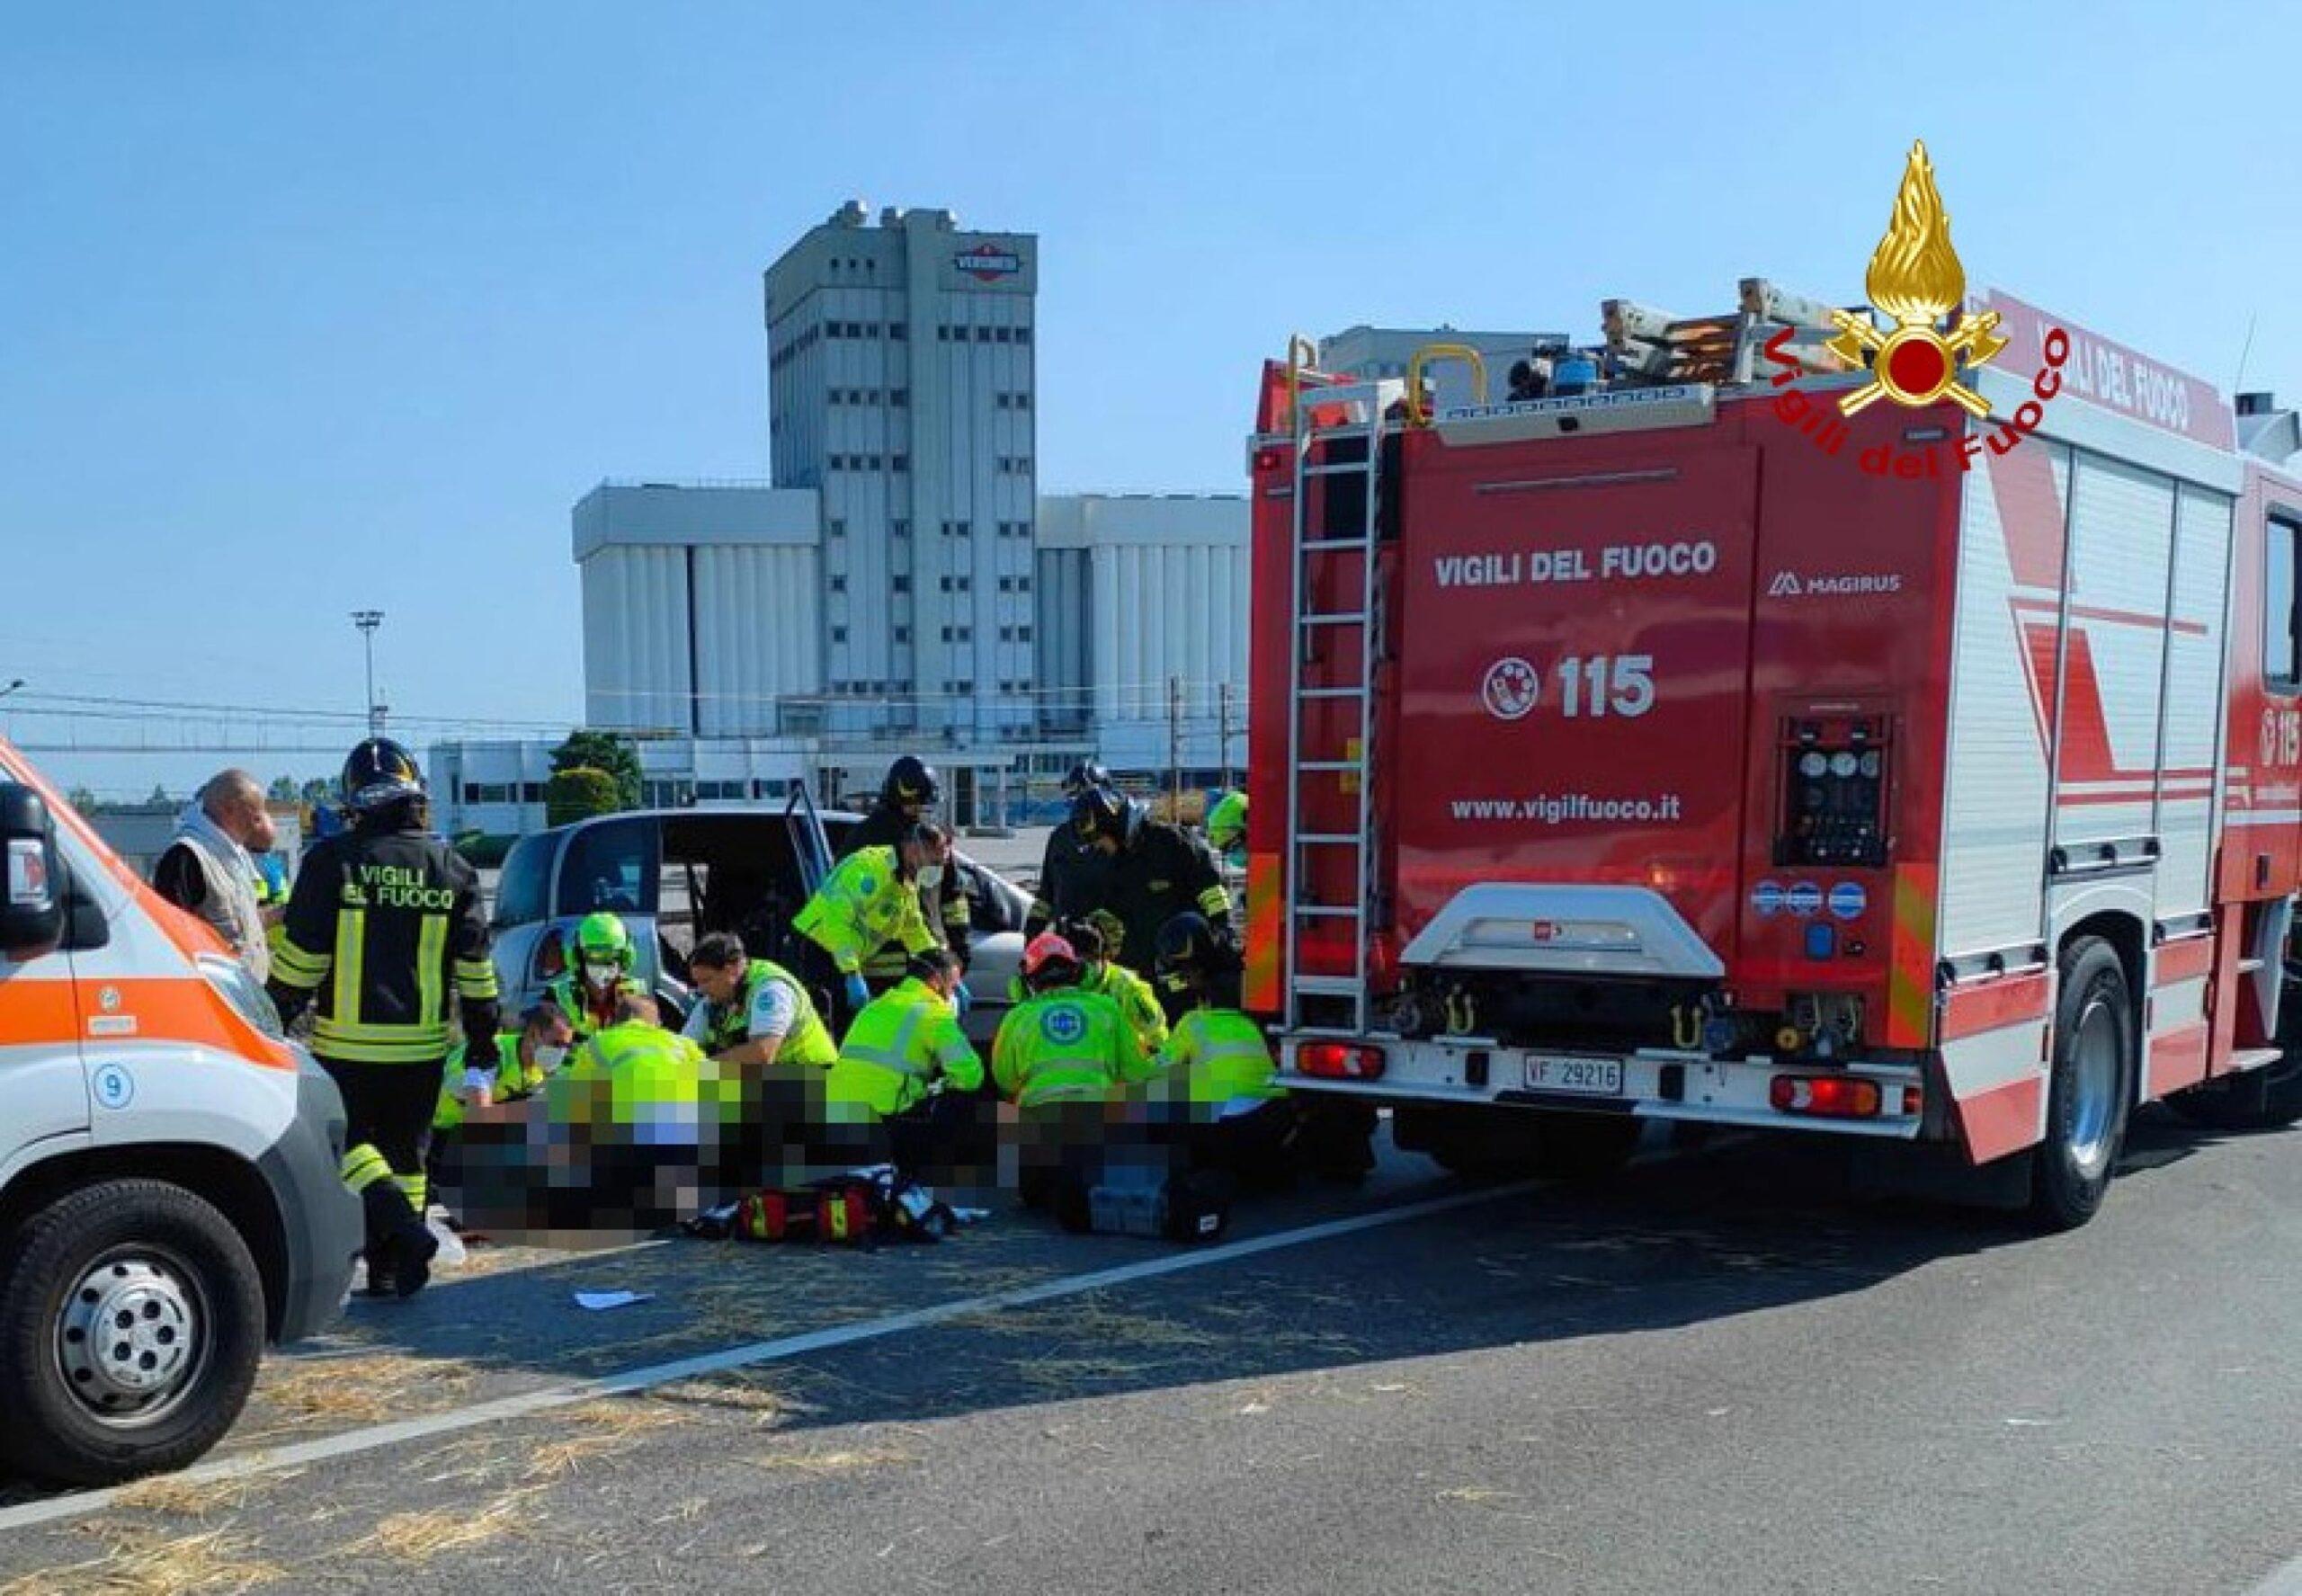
308,307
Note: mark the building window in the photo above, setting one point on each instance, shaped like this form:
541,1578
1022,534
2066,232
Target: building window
898,462
900,528
1023,584
839,529
900,397
1022,634
899,332
839,585
839,634
1022,401
943,333
999,334
1023,334
947,634
899,584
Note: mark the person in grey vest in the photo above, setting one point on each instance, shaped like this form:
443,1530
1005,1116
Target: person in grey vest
210,870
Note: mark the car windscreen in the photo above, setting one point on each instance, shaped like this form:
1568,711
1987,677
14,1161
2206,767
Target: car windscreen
611,865
523,886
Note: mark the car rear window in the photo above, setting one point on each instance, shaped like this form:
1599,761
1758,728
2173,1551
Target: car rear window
523,890
611,866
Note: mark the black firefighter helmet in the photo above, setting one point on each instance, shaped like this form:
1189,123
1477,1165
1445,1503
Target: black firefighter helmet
911,784
378,774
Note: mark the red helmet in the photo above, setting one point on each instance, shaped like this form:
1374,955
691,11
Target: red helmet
1049,960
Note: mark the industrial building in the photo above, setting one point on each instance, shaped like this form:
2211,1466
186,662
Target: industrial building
900,584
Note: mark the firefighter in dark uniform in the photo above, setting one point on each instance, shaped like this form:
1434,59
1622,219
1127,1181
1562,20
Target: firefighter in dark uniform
1075,879
1157,871
907,795
384,926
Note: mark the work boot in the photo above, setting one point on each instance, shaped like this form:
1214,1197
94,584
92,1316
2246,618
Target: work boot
400,1245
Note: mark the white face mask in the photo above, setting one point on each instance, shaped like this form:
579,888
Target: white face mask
549,1057
601,975
931,875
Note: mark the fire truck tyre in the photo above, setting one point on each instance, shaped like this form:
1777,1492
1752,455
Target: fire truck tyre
131,1320
1587,1146
2090,1087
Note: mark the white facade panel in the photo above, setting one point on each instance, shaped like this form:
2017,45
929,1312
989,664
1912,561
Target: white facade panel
1996,789
757,636
2196,650
636,623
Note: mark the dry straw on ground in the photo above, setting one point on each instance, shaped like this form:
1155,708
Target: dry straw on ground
144,1563
855,1461
418,1538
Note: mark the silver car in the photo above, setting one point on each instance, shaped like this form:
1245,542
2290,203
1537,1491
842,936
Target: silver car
675,874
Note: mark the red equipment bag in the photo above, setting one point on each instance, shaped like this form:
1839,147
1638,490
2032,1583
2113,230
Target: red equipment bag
775,1216
844,1214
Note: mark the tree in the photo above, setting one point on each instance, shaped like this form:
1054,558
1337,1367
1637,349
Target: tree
320,790
606,752
578,794
159,797
284,790
82,800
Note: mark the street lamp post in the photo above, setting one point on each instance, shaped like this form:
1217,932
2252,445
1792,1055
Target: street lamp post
368,620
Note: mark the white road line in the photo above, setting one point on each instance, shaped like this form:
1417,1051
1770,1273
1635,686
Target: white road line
352,1441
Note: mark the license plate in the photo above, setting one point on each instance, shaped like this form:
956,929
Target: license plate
1593,1077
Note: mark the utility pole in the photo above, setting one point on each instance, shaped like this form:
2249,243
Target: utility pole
1175,743
1223,731
368,620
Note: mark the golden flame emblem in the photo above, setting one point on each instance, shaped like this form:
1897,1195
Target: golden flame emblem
1915,278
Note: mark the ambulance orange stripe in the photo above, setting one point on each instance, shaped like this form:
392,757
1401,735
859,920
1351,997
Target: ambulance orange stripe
33,1010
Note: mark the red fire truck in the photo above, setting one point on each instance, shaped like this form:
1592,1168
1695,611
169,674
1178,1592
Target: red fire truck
1672,746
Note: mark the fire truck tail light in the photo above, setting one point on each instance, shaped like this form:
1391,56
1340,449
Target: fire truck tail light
1339,1061
1836,1097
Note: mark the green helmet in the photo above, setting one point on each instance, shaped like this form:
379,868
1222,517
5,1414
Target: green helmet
1227,822
602,938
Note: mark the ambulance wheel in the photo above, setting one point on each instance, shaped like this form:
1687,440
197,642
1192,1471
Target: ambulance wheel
1587,1146
131,1320
2091,1088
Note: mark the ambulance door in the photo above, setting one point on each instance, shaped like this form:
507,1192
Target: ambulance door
43,1084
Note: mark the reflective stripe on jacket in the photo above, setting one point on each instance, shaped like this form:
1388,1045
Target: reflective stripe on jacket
1218,1055
865,902
809,1039
1065,1046
900,1041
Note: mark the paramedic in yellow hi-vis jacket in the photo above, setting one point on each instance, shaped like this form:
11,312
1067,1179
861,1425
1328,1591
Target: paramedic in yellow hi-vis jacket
383,928
869,898
886,1095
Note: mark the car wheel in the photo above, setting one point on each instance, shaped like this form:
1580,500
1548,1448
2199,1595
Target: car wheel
132,1322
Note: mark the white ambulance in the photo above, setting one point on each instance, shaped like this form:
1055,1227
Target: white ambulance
169,1194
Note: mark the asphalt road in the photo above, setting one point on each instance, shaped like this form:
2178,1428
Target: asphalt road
1718,1372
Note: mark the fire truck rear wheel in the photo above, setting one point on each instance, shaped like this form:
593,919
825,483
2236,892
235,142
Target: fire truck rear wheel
2090,1090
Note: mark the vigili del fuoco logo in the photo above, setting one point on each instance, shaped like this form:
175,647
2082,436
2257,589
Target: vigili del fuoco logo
1928,352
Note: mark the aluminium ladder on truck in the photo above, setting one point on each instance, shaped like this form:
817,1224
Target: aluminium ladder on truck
1346,456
